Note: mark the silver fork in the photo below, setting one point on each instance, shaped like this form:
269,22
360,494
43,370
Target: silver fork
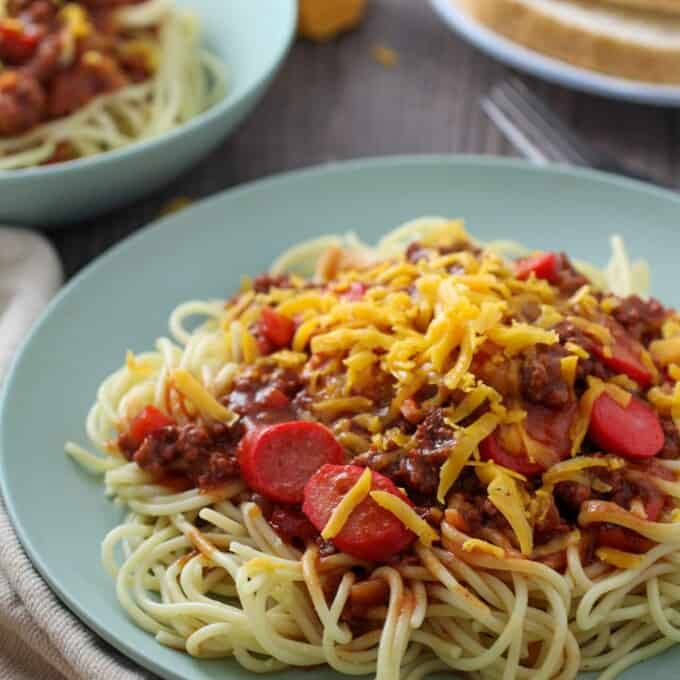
543,137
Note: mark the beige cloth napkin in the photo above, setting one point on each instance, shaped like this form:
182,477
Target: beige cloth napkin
39,638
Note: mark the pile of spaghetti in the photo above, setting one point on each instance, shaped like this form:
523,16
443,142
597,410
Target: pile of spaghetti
80,78
424,456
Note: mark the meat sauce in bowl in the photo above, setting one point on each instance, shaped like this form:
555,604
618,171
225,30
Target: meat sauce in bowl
57,57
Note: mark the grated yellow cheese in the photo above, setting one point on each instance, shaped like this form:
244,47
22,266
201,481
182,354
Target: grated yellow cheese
595,330
576,349
624,382
477,545
191,388
75,18
466,444
344,339
462,365
406,515
619,558
567,470
487,470
619,395
666,351
568,366
472,401
333,407
581,423
349,503
519,336
674,372
505,494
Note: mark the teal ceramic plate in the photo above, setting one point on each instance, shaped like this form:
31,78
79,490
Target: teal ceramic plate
251,38
123,300
517,56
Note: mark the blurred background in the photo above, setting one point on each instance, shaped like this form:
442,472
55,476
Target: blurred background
401,82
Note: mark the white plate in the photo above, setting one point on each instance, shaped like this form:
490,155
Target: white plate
549,69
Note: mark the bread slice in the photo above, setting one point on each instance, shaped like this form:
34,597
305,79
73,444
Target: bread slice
667,6
633,44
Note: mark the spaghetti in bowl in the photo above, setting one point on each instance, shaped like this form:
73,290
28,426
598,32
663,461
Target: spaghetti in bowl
427,456
127,93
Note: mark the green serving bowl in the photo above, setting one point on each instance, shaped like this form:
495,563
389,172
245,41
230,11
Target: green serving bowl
251,38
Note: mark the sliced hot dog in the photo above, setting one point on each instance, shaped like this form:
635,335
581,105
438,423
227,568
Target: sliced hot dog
547,427
148,421
371,532
492,449
277,328
542,265
612,536
278,460
625,357
631,432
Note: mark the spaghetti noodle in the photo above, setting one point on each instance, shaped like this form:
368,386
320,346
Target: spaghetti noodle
490,449
80,80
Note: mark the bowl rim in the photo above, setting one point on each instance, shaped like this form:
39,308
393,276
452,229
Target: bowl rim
225,104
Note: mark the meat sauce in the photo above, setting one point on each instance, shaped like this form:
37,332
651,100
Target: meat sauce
52,69
265,396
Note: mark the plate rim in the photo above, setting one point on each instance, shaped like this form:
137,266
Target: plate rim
220,108
550,69
371,163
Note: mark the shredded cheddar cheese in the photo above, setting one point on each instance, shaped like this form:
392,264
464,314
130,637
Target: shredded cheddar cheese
505,494
519,336
406,515
580,427
568,366
468,441
619,558
350,501
619,395
205,402
478,545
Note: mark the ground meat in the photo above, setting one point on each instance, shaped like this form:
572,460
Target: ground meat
204,455
541,380
569,496
550,525
491,516
416,251
568,279
433,435
642,319
263,391
419,474
529,311
74,87
22,103
34,11
671,445
265,282
418,469
292,526
469,513
46,61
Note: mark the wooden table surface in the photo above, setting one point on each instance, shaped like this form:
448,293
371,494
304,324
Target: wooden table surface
334,101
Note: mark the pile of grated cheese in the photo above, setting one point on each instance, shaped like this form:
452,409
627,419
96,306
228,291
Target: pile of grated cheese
373,332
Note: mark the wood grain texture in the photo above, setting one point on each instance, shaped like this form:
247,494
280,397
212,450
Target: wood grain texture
334,101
